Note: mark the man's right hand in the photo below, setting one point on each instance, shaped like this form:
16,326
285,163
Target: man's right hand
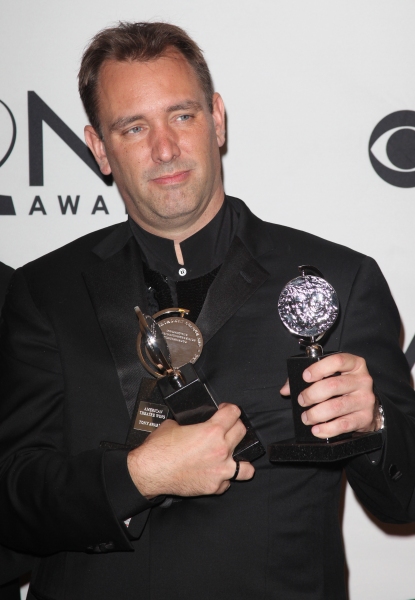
190,460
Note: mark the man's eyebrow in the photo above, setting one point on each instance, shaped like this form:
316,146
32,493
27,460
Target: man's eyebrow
124,121
188,104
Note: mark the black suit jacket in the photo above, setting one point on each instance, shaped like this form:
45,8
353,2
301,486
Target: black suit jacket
5,274
72,376
12,565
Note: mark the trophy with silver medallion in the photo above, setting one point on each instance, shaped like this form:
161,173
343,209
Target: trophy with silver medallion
308,307
168,345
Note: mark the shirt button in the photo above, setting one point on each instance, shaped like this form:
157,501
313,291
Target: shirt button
182,272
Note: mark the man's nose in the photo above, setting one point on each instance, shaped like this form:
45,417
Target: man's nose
164,145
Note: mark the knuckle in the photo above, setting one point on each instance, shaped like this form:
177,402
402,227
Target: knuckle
213,488
361,363
339,360
369,416
310,395
235,410
221,452
366,380
223,405
332,384
215,435
367,400
345,425
215,430
317,414
241,427
217,487
337,405
366,418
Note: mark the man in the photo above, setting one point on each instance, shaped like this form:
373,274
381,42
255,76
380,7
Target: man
12,565
163,521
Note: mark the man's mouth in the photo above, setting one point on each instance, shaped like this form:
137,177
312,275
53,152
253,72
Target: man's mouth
171,178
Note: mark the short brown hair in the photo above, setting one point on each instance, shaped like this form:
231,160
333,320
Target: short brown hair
136,41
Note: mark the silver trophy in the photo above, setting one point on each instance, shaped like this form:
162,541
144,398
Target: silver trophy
308,307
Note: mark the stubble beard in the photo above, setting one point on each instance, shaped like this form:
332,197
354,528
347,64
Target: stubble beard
175,204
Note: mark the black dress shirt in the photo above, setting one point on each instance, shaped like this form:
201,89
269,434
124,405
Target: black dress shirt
171,284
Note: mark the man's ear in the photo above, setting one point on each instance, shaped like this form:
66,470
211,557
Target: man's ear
96,145
218,114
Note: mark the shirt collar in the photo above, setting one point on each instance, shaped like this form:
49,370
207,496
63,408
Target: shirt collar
202,252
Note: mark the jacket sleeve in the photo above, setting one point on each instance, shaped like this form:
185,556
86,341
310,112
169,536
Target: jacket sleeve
50,501
385,484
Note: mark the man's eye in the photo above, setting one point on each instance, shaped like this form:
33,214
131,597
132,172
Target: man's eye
184,117
135,129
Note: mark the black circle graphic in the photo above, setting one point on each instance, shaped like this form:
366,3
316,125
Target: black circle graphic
13,140
400,148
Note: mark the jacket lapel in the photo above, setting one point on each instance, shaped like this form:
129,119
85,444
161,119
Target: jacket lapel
115,288
239,277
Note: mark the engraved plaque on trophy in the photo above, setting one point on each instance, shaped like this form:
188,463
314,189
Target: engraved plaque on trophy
168,345
308,307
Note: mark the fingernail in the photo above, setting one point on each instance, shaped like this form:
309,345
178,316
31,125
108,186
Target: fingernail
315,430
307,375
304,418
301,400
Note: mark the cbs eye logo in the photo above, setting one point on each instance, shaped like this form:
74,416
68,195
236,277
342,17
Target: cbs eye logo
392,148
7,132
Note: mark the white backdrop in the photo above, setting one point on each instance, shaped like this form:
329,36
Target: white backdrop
305,83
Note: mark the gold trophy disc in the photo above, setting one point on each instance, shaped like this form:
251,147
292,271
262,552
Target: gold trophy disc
183,337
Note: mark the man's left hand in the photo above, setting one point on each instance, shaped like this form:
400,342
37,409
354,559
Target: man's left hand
338,404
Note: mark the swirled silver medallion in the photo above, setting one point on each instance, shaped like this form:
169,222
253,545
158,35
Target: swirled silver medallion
308,306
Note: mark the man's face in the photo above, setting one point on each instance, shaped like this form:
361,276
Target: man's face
160,141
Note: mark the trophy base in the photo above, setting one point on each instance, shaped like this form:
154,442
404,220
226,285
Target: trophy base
249,448
193,403
293,451
157,400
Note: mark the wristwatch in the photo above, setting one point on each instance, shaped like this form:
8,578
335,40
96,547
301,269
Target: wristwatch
380,417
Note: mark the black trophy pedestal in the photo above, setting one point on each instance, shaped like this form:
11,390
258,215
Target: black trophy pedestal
305,447
188,402
193,403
